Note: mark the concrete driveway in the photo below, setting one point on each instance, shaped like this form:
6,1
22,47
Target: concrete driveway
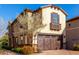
48,52
58,52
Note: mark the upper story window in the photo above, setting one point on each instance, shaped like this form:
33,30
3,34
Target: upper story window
55,25
69,24
55,18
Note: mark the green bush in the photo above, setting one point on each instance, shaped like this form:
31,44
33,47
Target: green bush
5,46
27,50
4,42
17,50
76,47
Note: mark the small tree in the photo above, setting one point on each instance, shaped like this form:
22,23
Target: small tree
31,23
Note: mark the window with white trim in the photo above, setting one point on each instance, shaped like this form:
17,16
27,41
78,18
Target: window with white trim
55,18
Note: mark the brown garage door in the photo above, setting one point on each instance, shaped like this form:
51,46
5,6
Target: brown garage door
47,42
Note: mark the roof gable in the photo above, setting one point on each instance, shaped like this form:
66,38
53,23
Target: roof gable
75,18
53,6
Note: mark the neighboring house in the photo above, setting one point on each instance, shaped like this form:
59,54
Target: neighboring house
72,32
52,36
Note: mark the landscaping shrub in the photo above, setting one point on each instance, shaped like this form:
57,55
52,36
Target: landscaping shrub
1,46
28,50
5,46
17,50
4,42
76,47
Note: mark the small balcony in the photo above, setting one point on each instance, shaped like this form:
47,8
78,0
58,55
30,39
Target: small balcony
54,26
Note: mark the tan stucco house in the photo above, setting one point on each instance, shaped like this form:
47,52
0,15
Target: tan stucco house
50,37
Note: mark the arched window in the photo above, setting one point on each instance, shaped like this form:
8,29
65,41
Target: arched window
54,18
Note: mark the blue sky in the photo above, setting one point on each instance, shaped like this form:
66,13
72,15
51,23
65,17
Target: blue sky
10,11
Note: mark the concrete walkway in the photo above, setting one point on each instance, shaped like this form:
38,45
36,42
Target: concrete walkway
7,52
58,52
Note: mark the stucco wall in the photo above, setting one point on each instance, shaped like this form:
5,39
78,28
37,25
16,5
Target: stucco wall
46,18
72,34
72,37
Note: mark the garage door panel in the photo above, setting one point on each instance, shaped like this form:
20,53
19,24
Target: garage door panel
47,42
40,43
52,44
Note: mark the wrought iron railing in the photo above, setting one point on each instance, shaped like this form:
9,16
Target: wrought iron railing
54,26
